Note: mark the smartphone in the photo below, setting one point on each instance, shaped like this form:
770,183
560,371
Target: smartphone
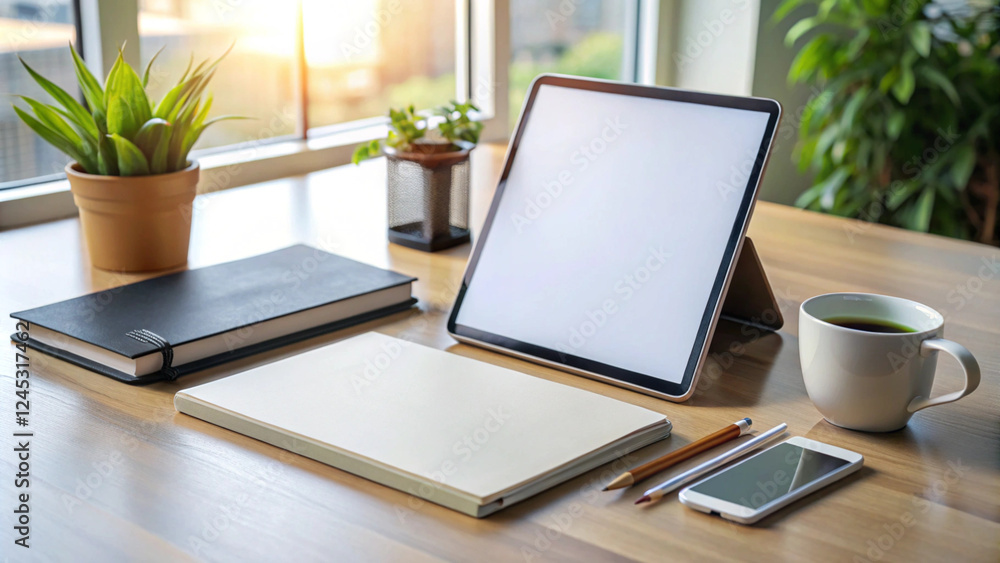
771,479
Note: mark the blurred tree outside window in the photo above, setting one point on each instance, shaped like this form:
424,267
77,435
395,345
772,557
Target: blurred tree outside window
582,38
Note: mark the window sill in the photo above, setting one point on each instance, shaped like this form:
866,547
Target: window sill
250,162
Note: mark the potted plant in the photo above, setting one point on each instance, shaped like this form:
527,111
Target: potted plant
428,175
131,177
903,124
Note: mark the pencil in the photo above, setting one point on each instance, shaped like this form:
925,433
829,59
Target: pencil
731,432
679,481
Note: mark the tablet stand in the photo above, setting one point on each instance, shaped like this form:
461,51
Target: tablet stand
749,300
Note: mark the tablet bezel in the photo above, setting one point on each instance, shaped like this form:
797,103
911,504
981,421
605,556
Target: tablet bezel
598,370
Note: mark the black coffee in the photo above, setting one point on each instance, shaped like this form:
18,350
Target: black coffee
870,325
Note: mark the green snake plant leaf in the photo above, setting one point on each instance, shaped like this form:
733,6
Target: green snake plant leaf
131,161
125,85
149,66
92,91
79,114
120,131
56,140
107,157
153,139
188,97
188,69
152,133
121,120
183,123
113,76
84,132
194,133
51,117
203,112
169,100
159,164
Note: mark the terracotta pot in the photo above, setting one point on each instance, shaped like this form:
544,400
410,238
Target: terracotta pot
135,223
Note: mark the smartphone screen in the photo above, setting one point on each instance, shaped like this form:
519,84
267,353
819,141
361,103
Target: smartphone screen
769,475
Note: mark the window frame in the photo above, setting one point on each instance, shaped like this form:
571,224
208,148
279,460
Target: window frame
482,58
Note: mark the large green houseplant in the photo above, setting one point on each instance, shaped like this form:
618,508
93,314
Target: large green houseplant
904,122
131,177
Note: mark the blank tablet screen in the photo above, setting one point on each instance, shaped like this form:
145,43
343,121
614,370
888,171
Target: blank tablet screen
612,227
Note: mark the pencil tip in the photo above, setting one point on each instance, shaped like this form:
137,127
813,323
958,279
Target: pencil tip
643,499
604,489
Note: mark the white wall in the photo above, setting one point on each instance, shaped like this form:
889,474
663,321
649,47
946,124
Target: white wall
732,47
713,45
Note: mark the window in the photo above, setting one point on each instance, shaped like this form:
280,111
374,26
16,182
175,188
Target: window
361,57
365,56
583,38
318,75
39,32
257,79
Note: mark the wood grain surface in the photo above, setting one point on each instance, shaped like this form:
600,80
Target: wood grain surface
118,475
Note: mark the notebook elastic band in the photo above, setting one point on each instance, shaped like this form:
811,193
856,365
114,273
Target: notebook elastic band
150,337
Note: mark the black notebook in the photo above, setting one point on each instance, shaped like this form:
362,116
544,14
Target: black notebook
169,326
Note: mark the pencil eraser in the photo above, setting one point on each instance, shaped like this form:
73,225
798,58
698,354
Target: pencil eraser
750,422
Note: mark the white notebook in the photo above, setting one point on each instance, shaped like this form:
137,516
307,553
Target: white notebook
461,433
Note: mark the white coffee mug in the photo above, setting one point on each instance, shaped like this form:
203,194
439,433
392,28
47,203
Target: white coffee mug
875,381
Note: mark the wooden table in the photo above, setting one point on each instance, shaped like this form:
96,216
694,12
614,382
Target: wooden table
117,474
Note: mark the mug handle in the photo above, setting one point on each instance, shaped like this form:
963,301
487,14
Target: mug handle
964,357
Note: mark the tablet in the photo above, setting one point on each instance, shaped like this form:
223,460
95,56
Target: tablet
614,229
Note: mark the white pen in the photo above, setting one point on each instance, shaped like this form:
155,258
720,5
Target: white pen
660,491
